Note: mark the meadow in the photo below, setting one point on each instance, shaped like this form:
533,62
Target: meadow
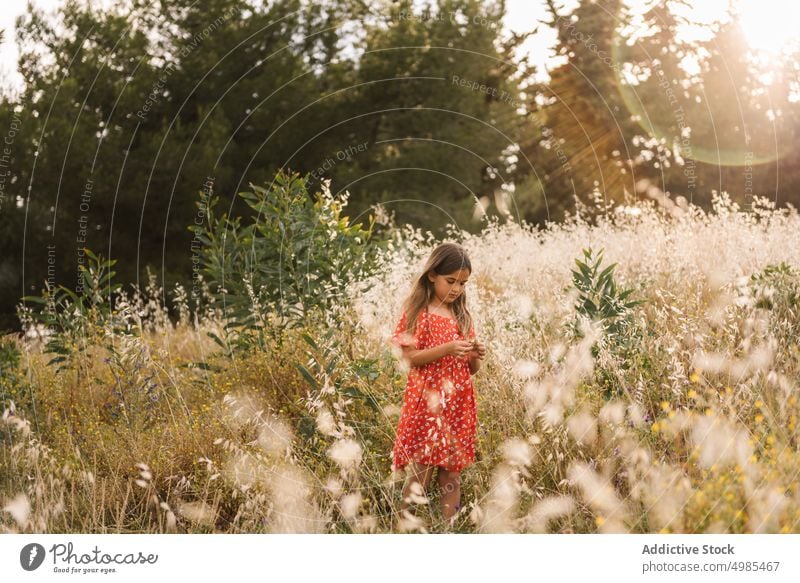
655,395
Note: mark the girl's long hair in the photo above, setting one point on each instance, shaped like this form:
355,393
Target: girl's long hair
447,258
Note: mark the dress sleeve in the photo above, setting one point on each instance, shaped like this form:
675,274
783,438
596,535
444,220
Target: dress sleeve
402,337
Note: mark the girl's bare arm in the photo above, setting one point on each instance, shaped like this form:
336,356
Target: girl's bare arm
422,357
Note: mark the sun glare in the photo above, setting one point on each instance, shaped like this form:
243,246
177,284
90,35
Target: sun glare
769,25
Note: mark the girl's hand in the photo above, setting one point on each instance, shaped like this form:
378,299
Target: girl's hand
478,350
459,348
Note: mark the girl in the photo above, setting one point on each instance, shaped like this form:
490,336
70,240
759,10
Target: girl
437,423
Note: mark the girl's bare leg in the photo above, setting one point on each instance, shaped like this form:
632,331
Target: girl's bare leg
450,485
417,473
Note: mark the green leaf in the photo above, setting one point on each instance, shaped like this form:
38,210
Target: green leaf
307,375
309,340
216,339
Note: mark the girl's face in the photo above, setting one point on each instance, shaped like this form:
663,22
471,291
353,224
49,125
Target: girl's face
448,288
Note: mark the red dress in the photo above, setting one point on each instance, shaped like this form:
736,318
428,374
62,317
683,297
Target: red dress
438,418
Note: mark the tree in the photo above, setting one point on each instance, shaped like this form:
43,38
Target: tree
129,111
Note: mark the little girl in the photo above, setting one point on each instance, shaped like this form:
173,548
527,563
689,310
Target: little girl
437,423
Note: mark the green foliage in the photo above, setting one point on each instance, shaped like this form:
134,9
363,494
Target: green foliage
13,384
345,387
76,320
135,391
776,289
293,260
348,379
599,299
170,94
776,286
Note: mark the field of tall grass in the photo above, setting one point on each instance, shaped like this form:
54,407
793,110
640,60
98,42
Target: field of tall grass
675,414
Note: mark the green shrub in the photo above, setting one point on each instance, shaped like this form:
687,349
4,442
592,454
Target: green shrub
75,321
295,257
599,299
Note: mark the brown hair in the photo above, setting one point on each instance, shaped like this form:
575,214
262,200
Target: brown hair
447,258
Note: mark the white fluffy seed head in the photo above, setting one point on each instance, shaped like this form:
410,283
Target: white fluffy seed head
582,428
612,413
326,423
197,512
346,453
526,369
275,436
20,509
349,505
546,510
517,452
334,486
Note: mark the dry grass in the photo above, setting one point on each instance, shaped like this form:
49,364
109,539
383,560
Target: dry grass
691,428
